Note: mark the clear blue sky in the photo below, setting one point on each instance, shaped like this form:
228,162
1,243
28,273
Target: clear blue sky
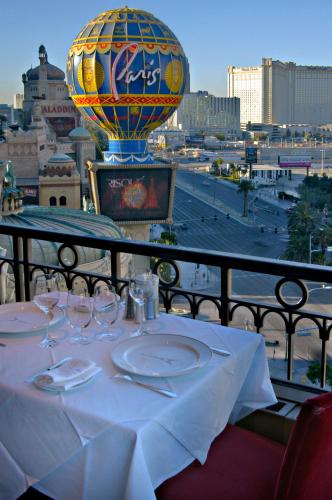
213,33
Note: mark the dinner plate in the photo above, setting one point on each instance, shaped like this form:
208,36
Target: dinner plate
25,317
162,355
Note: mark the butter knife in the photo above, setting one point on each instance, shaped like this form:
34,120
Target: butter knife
59,363
52,367
165,392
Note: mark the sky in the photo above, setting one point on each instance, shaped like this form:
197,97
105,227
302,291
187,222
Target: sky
213,34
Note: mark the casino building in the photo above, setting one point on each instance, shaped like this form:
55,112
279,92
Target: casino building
46,83
51,128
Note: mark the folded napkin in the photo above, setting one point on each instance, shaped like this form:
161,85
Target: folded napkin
71,373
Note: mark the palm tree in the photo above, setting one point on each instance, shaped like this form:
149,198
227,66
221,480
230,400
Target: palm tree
233,170
216,166
245,187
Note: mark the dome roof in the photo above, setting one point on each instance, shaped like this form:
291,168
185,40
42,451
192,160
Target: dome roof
62,220
60,158
52,72
79,133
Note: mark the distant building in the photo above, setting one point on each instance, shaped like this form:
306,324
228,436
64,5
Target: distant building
46,83
202,112
8,112
18,101
282,92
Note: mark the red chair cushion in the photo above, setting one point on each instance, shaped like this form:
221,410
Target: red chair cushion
240,465
306,469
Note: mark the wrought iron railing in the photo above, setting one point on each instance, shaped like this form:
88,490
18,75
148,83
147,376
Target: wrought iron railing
225,302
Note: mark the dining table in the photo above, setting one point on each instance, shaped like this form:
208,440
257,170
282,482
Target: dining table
156,404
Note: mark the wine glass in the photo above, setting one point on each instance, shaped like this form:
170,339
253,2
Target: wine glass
46,297
106,310
137,293
79,314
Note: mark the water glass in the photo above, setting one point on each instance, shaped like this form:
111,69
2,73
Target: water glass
46,297
106,310
79,314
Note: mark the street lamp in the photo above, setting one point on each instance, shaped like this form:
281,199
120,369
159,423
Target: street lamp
323,157
311,251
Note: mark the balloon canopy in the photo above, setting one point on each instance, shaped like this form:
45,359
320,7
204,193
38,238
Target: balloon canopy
127,73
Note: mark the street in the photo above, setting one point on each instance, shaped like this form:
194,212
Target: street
232,233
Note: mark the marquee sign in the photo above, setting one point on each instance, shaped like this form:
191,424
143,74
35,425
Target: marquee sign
294,161
133,195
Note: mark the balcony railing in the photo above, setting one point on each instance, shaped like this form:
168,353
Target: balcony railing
221,303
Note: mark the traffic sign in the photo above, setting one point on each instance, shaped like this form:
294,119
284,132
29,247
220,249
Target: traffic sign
251,154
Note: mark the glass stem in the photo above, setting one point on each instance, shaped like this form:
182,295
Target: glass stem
47,326
141,319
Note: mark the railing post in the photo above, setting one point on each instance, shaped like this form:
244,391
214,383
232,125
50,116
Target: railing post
17,268
290,354
115,267
323,365
25,272
225,292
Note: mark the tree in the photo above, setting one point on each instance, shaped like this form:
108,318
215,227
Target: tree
165,269
99,137
303,231
233,170
245,187
216,166
220,137
314,372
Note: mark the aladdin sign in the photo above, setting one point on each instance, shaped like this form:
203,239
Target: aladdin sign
51,109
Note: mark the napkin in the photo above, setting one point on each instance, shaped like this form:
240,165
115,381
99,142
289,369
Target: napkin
71,373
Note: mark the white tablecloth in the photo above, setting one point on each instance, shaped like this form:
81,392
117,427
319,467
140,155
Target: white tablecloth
112,439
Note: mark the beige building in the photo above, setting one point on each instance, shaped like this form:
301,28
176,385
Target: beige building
59,183
282,92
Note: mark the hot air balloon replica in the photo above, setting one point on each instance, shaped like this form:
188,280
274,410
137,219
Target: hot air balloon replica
127,73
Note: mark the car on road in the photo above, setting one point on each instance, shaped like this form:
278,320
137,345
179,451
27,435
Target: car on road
291,208
180,225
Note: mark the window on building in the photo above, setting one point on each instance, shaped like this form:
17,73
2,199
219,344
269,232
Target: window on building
63,201
53,201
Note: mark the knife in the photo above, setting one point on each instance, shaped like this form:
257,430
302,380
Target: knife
219,351
165,392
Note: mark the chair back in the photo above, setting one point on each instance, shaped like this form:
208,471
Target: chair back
306,469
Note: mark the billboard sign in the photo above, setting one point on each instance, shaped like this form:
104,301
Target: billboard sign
135,194
251,154
294,161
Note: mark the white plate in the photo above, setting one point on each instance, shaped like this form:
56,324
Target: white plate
160,355
25,317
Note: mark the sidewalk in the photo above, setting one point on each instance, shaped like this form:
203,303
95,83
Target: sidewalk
270,193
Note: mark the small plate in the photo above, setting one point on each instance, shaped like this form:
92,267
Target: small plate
162,355
25,317
54,388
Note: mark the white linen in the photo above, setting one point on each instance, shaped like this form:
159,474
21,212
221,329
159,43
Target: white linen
118,440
